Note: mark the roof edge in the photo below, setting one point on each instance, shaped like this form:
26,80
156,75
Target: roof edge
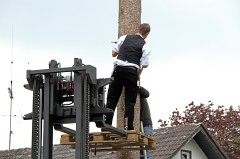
190,137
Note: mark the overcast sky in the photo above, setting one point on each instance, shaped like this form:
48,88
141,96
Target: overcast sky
195,51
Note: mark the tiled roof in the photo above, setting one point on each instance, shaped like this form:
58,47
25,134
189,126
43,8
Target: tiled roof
168,142
59,152
22,153
171,139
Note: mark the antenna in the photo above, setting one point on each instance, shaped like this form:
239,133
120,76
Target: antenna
11,99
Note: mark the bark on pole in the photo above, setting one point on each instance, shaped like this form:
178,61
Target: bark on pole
128,23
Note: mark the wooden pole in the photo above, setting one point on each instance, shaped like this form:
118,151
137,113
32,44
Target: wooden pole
129,21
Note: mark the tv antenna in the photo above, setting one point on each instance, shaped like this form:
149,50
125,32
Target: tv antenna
10,91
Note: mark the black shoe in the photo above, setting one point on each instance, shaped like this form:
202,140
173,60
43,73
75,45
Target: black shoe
130,128
104,130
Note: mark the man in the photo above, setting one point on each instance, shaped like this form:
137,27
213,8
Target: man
145,116
132,54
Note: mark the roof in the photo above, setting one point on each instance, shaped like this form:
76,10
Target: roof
169,141
59,152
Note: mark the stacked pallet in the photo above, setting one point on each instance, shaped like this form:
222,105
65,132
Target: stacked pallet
108,141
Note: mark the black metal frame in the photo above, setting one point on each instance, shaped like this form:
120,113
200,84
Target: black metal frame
88,107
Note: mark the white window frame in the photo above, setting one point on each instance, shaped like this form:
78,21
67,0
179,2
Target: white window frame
188,153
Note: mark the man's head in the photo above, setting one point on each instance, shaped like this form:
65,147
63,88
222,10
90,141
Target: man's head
144,29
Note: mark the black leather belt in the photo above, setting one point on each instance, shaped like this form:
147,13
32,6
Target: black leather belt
131,67
128,67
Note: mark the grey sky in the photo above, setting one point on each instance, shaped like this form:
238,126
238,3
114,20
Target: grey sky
195,51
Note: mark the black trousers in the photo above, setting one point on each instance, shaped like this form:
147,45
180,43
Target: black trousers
124,76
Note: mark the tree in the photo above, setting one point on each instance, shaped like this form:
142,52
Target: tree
129,21
223,123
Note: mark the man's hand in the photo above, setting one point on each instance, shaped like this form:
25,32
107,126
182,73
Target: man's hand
114,54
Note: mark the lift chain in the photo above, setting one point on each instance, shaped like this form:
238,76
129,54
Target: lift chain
36,119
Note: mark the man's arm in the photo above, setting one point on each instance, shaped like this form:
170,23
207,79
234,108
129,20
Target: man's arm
117,46
144,61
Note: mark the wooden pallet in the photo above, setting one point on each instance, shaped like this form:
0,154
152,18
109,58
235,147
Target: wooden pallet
108,141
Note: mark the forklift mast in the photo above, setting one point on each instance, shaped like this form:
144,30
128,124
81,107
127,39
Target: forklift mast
64,96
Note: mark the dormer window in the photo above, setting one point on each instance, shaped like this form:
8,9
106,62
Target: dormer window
186,154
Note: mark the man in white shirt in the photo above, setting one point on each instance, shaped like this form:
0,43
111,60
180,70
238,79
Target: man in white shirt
132,55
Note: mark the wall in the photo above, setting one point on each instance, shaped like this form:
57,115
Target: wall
192,146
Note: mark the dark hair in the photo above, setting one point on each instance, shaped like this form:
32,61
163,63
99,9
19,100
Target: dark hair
144,28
